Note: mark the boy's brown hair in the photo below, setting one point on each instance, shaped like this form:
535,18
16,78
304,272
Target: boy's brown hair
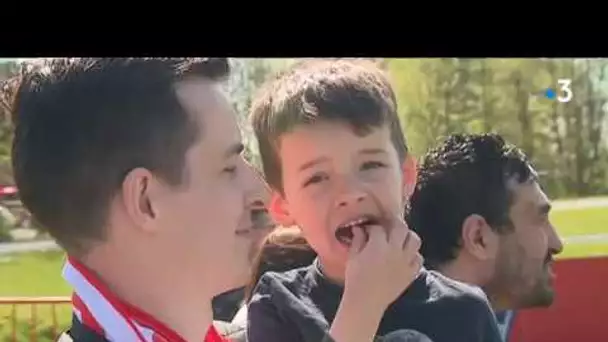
355,92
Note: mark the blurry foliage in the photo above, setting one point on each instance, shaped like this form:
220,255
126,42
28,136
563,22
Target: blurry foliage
43,331
567,142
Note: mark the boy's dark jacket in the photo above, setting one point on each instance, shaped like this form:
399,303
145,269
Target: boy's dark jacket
78,332
299,306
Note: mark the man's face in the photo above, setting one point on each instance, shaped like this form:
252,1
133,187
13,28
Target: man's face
523,273
207,222
333,177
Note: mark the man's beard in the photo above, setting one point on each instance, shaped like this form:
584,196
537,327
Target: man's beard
511,287
542,293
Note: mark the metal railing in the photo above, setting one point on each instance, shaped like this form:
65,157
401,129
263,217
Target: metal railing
33,303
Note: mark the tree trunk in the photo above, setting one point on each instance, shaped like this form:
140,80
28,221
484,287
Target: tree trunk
486,107
522,99
555,118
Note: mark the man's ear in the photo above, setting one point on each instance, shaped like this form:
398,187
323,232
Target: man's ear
409,173
137,187
478,238
278,210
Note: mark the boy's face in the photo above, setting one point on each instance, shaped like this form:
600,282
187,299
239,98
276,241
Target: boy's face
332,176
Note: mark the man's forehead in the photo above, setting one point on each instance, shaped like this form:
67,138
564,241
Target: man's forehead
199,96
528,195
205,101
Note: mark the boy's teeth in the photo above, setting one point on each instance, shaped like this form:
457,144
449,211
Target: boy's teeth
355,223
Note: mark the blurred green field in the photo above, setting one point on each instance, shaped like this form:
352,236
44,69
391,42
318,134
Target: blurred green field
581,221
32,274
38,274
574,223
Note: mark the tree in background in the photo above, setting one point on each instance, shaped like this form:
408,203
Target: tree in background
8,68
248,74
566,141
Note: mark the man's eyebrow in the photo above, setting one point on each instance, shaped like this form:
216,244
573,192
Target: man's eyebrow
372,151
233,150
312,163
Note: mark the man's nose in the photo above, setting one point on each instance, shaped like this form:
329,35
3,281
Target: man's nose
555,242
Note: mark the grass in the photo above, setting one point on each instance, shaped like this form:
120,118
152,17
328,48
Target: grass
587,250
582,221
585,221
32,274
39,274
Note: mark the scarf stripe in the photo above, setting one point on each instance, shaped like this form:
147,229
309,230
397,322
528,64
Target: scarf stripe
84,315
115,326
95,307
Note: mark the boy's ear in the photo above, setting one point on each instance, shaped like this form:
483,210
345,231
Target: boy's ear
278,210
409,176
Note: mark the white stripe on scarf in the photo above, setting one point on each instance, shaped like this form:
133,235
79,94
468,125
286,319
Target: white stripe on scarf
115,325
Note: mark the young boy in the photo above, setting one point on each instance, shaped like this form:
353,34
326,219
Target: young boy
334,153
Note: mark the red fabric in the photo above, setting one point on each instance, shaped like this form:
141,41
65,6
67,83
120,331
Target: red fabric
214,336
580,308
162,333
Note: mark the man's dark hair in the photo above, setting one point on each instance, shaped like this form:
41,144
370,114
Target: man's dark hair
81,124
467,174
355,92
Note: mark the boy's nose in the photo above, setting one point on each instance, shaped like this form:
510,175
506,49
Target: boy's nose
351,195
349,191
351,198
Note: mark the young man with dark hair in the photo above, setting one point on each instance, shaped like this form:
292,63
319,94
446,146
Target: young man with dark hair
484,220
133,165
335,156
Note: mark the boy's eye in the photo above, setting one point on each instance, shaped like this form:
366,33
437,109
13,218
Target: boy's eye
314,180
372,165
230,170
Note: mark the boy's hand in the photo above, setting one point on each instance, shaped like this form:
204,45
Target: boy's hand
380,269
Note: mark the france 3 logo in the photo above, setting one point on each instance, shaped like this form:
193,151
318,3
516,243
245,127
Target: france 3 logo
563,93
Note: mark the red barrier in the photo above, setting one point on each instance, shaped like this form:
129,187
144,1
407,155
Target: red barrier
579,313
580,309
33,303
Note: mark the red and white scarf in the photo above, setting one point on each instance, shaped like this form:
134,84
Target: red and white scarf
100,310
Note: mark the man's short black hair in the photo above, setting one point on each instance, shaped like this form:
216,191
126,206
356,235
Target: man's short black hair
467,174
81,124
